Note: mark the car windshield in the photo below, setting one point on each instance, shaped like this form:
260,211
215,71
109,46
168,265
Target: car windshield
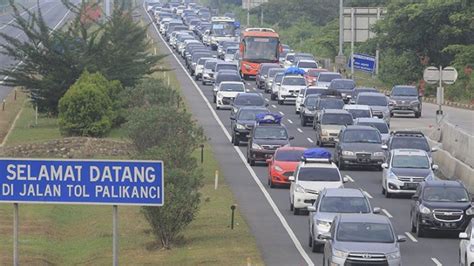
261,49
231,51
273,72
250,114
411,161
290,58
310,102
247,100
372,100
344,205
336,119
289,155
314,91
445,194
323,174
365,232
328,77
270,132
279,78
314,72
331,104
210,65
226,67
356,92
202,61
405,91
300,81
232,87
343,85
307,65
382,127
265,68
357,113
362,136
410,143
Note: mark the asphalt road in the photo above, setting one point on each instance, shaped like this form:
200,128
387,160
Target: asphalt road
54,13
257,201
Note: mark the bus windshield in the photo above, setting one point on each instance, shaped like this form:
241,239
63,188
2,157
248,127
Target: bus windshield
261,49
223,29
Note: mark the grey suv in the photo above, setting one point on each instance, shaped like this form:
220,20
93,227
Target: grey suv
405,100
331,202
362,239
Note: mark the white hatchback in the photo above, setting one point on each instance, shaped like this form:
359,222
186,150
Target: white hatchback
226,93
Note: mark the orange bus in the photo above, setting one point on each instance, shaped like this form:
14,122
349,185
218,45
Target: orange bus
258,45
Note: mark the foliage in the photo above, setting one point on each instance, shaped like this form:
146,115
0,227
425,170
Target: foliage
151,91
464,62
86,108
54,60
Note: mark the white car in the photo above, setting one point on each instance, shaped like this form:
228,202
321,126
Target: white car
227,92
325,78
306,64
229,53
290,57
305,92
311,177
290,88
358,110
466,246
199,69
276,85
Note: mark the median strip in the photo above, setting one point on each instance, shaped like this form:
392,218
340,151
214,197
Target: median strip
412,238
387,213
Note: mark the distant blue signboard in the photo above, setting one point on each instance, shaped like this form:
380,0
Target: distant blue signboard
363,63
82,182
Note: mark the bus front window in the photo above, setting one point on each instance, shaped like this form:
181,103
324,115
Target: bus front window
261,50
223,29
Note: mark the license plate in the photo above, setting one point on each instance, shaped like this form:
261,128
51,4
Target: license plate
449,225
411,185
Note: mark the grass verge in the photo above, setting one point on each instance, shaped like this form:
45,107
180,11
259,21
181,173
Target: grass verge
12,107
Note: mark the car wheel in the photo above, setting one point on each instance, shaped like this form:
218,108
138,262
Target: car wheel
310,243
246,77
420,232
391,114
413,227
235,140
203,83
270,183
280,102
196,78
303,121
272,97
296,211
252,162
324,259
388,194
217,107
316,247
417,114
214,99
291,206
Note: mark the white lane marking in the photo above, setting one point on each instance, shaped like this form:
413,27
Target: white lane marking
21,14
254,88
387,213
350,178
274,106
281,113
275,209
412,238
299,130
21,62
267,100
368,195
436,262
289,121
310,140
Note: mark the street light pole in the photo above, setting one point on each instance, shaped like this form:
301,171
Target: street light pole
341,26
107,8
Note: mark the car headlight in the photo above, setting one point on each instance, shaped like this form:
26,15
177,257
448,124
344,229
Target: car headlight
340,254
392,175
235,109
379,153
394,255
300,189
430,177
277,168
424,210
323,224
324,133
347,153
414,102
239,126
256,146
470,211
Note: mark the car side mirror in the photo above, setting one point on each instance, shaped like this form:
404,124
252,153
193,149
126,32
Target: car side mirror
326,236
415,197
214,56
384,165
269,161
291,178
345,179
434,149
232,118
302,105
291,138
435,167
376,210
463,235
401,238
311,208
384,147
278,83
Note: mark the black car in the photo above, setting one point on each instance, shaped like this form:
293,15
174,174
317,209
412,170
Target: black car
344,86
243,122
247,99
264,139
326,102
440,205
262,74
404,139
308,109
405,100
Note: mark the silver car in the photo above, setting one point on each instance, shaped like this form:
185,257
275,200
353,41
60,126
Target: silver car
362,239
378,102
331,202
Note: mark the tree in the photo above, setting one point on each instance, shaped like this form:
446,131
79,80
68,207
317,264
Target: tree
54,60
86,108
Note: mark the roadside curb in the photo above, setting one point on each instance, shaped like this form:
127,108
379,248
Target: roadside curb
446,103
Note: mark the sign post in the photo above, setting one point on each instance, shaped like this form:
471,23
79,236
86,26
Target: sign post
433,75
89,182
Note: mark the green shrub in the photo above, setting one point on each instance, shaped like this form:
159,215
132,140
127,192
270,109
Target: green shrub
85,109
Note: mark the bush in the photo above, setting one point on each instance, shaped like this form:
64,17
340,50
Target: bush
85,109
151,91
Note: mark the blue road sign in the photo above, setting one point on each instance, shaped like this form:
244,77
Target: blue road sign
100,182
363,63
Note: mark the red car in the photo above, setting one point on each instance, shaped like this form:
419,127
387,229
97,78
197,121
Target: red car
283,164
312,75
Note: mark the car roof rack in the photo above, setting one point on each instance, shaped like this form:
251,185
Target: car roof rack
268,119
407,133
316,155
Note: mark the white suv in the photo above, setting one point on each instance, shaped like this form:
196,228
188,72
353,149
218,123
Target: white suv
311,177
290,88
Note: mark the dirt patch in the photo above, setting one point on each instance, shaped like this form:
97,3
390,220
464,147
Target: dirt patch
76,147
